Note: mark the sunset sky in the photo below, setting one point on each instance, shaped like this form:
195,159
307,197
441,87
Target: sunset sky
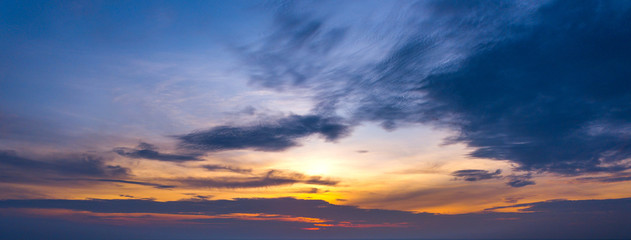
315,119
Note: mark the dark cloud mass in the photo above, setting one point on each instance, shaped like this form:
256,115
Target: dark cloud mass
542,84
476,175
149,151
276,136
555,99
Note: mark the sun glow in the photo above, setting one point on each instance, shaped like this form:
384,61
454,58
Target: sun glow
317,168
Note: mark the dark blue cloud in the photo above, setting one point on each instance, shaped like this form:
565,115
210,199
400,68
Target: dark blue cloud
473,175
552,99
277,136
149,151
542,84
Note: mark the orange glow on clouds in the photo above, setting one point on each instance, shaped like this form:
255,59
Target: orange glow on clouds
154,218
168,218
110,218
269,217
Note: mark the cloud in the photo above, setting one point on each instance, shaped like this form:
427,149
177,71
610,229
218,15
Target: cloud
513,199
560,206
520,180
142,183
276,136
544,101
542,84
69,167
295,53
198,197
158,186
318,180
268,179
463,196
476,175
215,167
547,101
149,151
90,168
616,177
311,190
17,168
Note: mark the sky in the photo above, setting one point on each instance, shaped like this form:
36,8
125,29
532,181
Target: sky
315,119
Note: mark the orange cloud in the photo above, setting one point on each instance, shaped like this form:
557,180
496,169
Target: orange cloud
362,225
269,217
156,218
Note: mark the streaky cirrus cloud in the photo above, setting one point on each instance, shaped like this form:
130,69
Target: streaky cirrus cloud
293,54
271,136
